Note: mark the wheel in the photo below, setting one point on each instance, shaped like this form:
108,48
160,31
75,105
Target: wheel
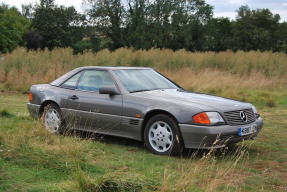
52,119
161,135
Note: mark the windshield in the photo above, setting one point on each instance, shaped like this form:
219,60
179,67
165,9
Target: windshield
136,80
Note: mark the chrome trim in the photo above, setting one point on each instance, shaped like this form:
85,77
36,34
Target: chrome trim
35,105
102,114
240,117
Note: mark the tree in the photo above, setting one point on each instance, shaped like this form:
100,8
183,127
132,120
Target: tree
58,25
281,38
144,24
141,24
137,24
13,26
188,21
108,16
255,29
33,40
218,35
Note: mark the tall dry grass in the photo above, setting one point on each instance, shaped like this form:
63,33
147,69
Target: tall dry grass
35,146
208,79
20,69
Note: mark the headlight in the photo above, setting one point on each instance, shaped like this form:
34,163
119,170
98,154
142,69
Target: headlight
208,118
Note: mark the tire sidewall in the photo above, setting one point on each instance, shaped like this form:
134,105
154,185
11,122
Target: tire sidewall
176,147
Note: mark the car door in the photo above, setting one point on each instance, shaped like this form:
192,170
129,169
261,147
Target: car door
94,111
68,108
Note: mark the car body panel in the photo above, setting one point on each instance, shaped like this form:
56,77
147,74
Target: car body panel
92,110
124,114
206,137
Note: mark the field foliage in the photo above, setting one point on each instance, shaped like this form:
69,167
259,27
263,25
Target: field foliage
21,68
247,76
33,160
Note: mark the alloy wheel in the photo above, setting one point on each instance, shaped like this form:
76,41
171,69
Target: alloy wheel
160,136
52,120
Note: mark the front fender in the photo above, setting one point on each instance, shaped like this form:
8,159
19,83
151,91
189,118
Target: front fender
133,106
182,114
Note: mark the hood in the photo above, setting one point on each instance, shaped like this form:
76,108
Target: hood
202,101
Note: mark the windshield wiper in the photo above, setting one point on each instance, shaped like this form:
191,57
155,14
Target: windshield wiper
140,90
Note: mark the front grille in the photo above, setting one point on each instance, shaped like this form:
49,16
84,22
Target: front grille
233,117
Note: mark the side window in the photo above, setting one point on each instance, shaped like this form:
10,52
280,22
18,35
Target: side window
93,80
72,82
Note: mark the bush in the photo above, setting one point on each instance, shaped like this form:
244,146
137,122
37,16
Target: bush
82,46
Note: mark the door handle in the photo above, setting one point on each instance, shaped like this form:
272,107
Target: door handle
74,97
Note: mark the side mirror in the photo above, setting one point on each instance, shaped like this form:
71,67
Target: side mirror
108,90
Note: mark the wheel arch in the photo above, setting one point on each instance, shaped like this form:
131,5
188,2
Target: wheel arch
154,112
44,104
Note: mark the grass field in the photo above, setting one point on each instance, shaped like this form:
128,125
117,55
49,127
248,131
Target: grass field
33,160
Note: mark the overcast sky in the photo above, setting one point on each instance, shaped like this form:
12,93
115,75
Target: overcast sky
222,8
227,8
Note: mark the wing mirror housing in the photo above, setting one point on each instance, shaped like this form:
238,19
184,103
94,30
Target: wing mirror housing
108,91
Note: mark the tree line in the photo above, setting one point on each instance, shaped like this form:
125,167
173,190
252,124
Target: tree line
140,24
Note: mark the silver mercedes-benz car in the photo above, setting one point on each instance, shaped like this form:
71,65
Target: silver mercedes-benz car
141,104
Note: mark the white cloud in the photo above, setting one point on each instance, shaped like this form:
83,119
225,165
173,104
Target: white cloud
225,2
237,2
284,4
76,3
282,13
230,14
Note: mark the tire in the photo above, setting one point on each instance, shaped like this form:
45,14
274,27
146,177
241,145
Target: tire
162,136
52,119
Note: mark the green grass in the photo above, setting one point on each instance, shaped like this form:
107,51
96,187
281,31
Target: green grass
33,160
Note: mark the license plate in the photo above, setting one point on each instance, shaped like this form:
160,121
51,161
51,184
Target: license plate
247,130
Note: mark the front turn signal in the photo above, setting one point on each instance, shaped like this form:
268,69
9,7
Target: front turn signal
30,96
201,118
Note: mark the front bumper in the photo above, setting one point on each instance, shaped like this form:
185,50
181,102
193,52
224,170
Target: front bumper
34,110
208,137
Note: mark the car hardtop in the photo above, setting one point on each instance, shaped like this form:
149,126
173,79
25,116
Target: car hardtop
110,68
63,78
